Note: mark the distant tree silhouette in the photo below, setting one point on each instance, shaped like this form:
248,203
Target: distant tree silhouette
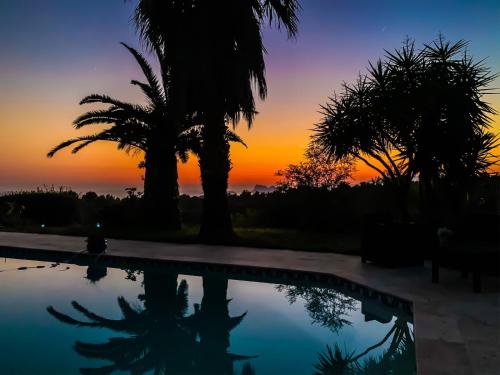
417,113
316,172
216,55
326,307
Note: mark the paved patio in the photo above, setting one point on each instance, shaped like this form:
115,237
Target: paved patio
457,332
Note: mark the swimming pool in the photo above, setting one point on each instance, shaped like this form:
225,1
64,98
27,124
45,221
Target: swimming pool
61,318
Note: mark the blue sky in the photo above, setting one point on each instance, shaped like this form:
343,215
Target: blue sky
56,51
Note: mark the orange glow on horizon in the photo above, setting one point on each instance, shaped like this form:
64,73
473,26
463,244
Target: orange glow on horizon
103,164
278,138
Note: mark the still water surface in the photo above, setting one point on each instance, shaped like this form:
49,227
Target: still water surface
70,319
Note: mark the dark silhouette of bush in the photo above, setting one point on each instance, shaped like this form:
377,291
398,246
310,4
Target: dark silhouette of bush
43,206
337,210
344,209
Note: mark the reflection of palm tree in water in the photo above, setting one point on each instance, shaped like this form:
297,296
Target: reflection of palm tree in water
398,358
213,324
163,337
330,308
160,335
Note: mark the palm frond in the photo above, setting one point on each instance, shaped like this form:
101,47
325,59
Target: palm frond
283,13
113,324
127,311
62,145
156,91
69,320
233,137
105,99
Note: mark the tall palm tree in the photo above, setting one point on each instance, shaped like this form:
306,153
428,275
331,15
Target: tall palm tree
216,58
140,128
148,129
416,114
459,120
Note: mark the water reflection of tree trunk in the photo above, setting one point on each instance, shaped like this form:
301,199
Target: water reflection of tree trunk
160,293
214,326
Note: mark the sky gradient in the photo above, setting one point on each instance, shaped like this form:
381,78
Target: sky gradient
54,52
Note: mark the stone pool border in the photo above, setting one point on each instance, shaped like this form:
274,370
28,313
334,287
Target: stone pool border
456,331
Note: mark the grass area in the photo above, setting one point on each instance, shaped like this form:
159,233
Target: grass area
295,240
273,238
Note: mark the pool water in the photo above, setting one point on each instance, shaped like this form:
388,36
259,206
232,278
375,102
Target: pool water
70,319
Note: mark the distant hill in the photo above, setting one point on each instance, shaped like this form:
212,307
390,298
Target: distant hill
263,189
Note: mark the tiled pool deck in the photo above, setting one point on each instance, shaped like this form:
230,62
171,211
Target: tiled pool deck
457,332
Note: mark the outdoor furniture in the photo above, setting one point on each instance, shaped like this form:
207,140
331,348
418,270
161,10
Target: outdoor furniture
374,310
473,248
394,244
478,261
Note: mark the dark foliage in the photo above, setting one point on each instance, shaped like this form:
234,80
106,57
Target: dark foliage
43,206
417,114
337,210
340,210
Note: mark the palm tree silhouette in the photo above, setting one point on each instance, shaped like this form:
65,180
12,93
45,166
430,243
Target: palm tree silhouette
330,309
160,336
462,147
398,358
417,113
216,56
146,128
140,128
213,325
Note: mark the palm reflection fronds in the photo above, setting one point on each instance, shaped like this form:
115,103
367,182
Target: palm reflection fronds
162,337
399,358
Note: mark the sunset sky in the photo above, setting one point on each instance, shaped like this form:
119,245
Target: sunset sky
54,52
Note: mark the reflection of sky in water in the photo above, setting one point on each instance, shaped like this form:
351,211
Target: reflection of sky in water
280,333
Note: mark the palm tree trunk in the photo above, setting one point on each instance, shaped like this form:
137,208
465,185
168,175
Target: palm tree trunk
379,344
427,200
160,291
214,328
161,189
402,193
215,165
